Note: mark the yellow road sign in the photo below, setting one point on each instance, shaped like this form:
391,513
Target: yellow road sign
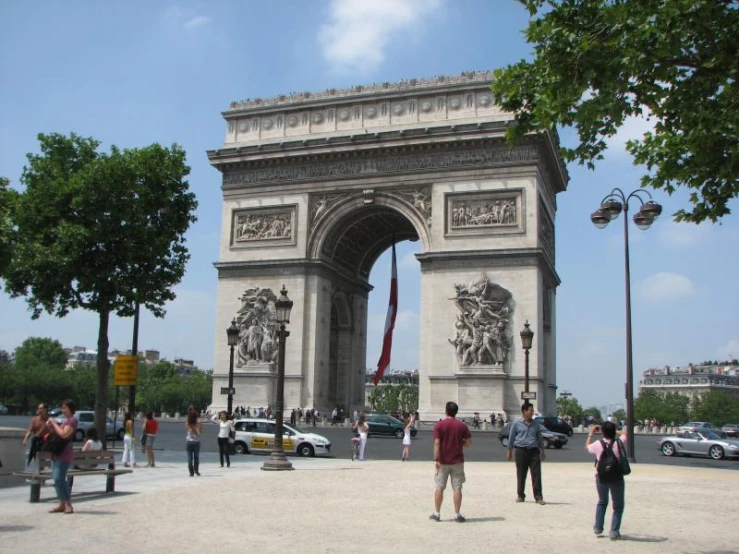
124,373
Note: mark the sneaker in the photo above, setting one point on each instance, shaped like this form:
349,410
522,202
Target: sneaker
541,502
435,517
520,499
459,518
126,465
597,531
614,536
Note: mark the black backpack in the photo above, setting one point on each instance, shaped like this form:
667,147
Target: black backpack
608,465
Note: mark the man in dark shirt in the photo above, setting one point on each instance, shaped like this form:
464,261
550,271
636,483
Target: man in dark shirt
525,437
450,437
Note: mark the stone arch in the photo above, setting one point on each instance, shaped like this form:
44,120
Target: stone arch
331,233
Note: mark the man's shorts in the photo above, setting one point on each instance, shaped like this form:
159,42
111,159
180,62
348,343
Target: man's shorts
150,440
456,471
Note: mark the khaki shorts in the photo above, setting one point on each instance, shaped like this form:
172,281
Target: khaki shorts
456,471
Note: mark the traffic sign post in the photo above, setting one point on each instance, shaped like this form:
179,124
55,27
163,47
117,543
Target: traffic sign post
125,371
528,395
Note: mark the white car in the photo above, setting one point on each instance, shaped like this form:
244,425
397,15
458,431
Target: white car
258,435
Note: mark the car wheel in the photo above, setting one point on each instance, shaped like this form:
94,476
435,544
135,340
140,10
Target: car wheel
716,452
558,445
119,435
547,444
306,450
240,448
668,449
399,434
79,435
504,442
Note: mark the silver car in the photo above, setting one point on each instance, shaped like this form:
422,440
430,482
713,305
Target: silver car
699,443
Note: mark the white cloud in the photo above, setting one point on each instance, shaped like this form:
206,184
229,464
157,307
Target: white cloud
358,31
681,235
409,261
197,21
666,286
185,18
730,351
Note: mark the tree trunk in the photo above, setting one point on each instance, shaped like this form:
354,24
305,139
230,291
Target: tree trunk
103,367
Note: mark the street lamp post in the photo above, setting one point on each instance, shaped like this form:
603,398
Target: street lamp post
277,460
610,208
527,337
232,335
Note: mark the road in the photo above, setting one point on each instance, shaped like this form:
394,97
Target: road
485,445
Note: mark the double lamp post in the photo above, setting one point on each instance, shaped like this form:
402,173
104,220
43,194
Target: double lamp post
610,208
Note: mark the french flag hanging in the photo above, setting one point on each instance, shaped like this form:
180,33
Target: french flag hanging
392,310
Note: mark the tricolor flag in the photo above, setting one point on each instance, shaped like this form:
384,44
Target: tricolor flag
392,310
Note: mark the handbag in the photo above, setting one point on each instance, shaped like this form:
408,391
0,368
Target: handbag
54,443
231,434
623,460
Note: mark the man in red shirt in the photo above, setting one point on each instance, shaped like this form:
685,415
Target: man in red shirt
450,437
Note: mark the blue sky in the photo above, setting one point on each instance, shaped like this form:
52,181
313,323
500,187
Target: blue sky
136,72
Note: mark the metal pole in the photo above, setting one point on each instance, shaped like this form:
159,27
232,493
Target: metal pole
526,381
231,382
277,460
134,352
629,359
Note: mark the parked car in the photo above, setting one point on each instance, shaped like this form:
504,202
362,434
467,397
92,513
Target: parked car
3,410
382,424
55,412
258,435
557,440
86,419
699,443
555,424
694,426
731,429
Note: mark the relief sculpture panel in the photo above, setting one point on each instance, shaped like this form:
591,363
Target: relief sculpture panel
484,213
482,332
263,226
257,323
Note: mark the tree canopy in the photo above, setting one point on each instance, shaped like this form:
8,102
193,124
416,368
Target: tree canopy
597,62
6,196
99,231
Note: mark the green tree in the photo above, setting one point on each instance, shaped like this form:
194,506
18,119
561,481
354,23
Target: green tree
592,412
571,407
40,351
619,415
101,232
597,62
716,406
6,197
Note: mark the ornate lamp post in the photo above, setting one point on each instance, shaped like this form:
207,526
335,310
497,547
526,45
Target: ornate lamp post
232,335
610,208
527,337
277,460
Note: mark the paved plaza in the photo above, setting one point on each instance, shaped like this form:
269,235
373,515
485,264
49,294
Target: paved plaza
328,506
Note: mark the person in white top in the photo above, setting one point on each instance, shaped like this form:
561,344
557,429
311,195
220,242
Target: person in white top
406,455
363,430
225,429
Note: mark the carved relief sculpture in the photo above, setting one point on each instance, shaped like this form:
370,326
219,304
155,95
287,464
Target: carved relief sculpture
420,199
320,204
263,224
257,323
483,213
482,334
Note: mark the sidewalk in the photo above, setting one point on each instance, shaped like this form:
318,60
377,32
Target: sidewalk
336,506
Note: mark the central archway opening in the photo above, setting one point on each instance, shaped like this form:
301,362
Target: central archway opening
359,244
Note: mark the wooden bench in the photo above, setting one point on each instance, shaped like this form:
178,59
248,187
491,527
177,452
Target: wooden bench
101,462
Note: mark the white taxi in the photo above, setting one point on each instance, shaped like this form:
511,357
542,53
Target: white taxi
258,435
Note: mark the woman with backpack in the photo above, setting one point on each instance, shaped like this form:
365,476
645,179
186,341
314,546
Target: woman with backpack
609,476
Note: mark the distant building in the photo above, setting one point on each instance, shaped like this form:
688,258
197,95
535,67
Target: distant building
691,380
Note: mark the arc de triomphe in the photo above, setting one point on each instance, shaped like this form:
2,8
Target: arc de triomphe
315,187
